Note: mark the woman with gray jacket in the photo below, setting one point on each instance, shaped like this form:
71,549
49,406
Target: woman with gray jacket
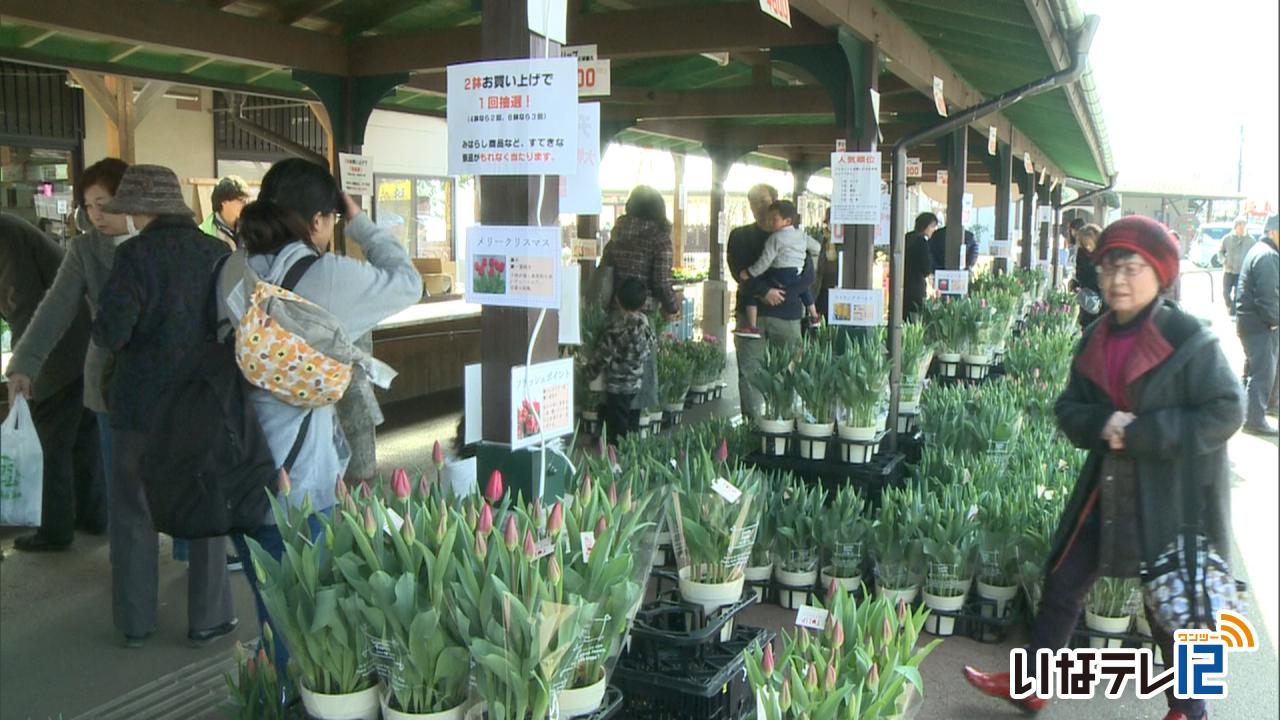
81,276
359,294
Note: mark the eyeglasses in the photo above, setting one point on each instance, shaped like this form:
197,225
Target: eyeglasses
1125,270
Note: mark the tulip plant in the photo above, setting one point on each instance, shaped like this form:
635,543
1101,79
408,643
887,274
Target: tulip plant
846,529
1113,597
715,536
917,352
773,379
798,517
771,490
863,664
948,540
706,357
254,693
815,383
863,372
675,373
895,539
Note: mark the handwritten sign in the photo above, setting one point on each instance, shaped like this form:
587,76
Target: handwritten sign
915,167
939,100
952,282
357,173
943,177
541,402
580,192
993,136
811,617
513,266
857,308
1027,165
855,188
513,117
779,10
726,490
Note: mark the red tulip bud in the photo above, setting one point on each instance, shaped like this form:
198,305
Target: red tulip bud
831,591
282,482
370,527
530,549
251,666
837,636
481,547
537,512
340,489
349,505
553,570
830,680
626,500
784,697
485,523
510,535
902,611
365,490
437,455
262,658
613,456
400,486
600,527
722,452
613,493
556,521
584,490
766,663
493,491
811,678
406,530
873,677
886,632
424,486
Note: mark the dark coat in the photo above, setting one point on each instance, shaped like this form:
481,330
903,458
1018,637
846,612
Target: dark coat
1187,407
153,311
1258,290
29,262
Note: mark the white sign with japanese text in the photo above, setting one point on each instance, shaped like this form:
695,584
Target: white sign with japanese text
861,308
582,52
1027,165
837,234
593,78
1044,214
939,100
855,188
541,402
966,211
915,167
580,192
357,173
993,136
944,177
513,117
952,282
1001,248
514,266
779,10
886,212
549,18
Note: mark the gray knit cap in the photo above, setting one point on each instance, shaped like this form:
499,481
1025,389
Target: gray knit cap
149,190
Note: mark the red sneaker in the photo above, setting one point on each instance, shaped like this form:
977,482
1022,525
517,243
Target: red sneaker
1179,715
997,685
747,331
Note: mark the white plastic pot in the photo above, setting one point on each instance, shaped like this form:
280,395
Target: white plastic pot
1111,625
814,449
976,366
701,388
757,574
673,407
896,595
592,415
857,454
936,624
948,364
1001,594
576,702
793,599
362,705
710,595
390,713
849,584
774,446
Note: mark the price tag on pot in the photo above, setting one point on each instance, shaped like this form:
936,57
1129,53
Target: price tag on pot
811,617
726,490
588,542
543,548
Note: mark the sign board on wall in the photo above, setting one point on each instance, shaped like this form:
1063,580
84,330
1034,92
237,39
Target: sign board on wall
939,100
513,117
357,173
855,188
1001,248
580,192
541,402
915,167
952,282
513,266
594,78
886,212
943,177
861,308
779,10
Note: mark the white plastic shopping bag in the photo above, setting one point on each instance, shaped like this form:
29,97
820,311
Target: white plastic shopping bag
21,468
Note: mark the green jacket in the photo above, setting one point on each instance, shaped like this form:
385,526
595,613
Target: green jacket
1234,248
211,228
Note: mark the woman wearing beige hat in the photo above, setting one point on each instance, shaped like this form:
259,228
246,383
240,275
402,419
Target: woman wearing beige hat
152,314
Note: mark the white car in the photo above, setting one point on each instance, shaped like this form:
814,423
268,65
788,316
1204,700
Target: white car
1208,242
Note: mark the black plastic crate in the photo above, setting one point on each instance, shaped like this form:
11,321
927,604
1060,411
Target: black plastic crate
911,446
884,470
668,632
977,619
610,707
715,689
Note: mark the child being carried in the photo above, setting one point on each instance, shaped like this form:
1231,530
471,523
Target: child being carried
780,263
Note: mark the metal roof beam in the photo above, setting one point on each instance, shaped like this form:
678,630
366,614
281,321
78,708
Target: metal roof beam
730,27
191,29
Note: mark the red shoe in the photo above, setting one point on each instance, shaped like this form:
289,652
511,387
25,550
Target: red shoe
1179,715
997,685
748,331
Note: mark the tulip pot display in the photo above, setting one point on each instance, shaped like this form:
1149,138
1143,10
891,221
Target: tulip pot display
775,436
858,445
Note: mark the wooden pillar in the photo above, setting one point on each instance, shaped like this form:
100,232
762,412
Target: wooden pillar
113,96
958,163
1043,199
1028,218
861,134
1004,196
677,213
722,158
1055,197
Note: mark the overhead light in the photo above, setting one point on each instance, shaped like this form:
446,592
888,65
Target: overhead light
719,58
179,95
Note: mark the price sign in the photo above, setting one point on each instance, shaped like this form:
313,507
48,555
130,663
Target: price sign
915,167
858,308
726,490
943,177
582,52
952,282
594,78
811,617
588,539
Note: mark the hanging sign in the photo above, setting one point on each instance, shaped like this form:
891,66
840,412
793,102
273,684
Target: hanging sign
841,145
549,18
570,316
513,266
875,112
1027,164
837,234
1044,175
357,173
722,236
1044,214
580,192
881,237
541,402
582,52
779,10
966,211
952,282
943,177
1001,248
915,167
513,117
858,308
939,100
593,78
855,188
993,136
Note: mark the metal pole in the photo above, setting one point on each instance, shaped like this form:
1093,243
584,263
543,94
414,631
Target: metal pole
897,239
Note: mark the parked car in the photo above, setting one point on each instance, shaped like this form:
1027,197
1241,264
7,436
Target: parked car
1208,243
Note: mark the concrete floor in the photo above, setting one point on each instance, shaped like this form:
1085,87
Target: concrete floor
59,656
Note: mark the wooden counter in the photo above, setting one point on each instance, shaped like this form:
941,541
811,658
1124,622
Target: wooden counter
429,344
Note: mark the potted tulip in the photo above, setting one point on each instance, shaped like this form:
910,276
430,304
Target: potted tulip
947,325
760,567
917,353
980,322
815,384
796,545
674,376
773,379
863,392
708,361
256,693
845,530
997,578
895,541
947,538
1110,609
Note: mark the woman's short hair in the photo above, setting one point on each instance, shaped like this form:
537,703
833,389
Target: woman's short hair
265,227
645,203
106,172
303,187
924,220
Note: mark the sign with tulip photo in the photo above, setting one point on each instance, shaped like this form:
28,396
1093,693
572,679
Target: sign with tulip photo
513,266
541,402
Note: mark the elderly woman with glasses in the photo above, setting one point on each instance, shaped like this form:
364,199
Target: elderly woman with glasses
1152,399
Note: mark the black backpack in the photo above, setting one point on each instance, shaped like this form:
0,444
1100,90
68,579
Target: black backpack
207,469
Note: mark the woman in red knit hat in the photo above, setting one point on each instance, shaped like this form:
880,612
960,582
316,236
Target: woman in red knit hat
1152,399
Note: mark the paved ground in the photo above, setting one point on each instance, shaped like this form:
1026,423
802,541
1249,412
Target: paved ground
58,654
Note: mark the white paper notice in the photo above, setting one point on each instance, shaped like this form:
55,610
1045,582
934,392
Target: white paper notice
472,406
594,78
837,234
1027,165
582,52
886,215
544,403
915,167
993,136
943,177
726,490
588,540
549,18
357,173
966,212
580,192
952,282
855,188
1001,248
859,308
514,266
779,10
570,310
1044,214
939,100
513,117
811,617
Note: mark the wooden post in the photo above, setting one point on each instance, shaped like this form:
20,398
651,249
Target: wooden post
722,158
957,161
1004,195
1043,200
1028,217
1056,230
861,134
677,213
